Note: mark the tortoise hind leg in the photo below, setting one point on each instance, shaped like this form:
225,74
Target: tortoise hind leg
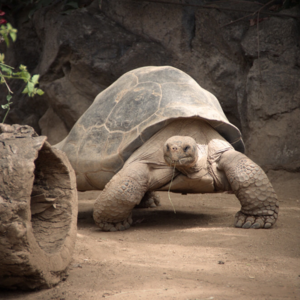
253,189
150,200
113,207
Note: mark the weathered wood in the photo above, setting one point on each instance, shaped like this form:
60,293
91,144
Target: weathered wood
38,210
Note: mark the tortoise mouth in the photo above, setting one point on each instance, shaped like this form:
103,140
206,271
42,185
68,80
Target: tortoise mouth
187,162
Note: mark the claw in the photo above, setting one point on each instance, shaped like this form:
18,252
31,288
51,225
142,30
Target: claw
247,225
255,222
120,226
268,225
255,226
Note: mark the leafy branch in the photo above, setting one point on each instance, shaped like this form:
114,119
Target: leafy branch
8,31
7,72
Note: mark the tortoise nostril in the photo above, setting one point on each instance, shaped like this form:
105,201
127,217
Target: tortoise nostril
174,148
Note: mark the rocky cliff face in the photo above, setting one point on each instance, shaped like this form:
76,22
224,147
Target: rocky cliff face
253,70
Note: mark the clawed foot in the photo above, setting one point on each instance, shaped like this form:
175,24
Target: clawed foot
150,199
118,226
256,222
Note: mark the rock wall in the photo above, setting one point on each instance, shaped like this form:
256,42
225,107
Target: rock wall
253,70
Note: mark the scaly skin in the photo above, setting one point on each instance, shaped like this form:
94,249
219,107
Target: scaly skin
150,200
113,207
253,189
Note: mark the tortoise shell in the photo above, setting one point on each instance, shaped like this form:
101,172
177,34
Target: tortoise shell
131,110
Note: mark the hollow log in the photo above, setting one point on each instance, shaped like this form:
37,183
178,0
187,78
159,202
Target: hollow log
38,210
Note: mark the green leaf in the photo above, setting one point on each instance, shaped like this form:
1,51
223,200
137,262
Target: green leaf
23,68
24,75
8,97
6,106
25,91
13,36
30,87
8,71
35,79
2,57
40,92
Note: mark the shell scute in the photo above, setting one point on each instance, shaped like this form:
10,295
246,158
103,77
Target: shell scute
132,140
173,91
161,75
91,149
139,103
113,142
151,125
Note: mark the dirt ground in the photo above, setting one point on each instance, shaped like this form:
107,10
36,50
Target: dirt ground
193,254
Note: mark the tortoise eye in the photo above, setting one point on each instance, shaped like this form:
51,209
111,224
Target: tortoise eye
186,148
168,148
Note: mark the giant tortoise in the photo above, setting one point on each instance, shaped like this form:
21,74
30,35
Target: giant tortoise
154,123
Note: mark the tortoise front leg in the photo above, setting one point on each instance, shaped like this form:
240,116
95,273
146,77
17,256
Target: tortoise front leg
252,187
113,207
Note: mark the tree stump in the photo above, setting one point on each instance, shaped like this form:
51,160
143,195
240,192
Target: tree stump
38,210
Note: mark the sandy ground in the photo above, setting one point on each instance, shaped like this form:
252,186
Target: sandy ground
193,254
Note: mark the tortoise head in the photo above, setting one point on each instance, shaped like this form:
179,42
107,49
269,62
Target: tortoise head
181,151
